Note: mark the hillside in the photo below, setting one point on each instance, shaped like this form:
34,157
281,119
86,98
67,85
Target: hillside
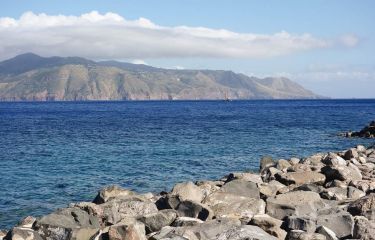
30,77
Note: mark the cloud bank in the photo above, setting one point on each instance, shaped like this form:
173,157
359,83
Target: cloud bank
110,36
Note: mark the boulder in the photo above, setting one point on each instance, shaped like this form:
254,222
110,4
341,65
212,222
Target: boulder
328,233
301,235
334,193
364,229
208,187
168,202
332,159
229,205
156,221
21,233
188,191
307,224
364,206
351,153
245,232
283,164
310,187
343,173
270,189
241,188
269,224
135,231
297,203
194,210
354,193
67,223
340,223
249,177
119,208
186,221
300,178
109,192
315,159
294,161
27,222
265,163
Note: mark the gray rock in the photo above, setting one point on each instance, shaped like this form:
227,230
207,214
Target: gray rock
301,235
119,208
265,163
194,210
230,205
328,233
364,229
27,222
332,159
249,177
343,173
300,178
241,188
297,203
283,164
340,223
354,193
310,187
156,221
351,153
269,224
364,206
186,221
109,192
247,232
135,231
67,223
188,191
21,233
334,193
307,224
270,189
168,202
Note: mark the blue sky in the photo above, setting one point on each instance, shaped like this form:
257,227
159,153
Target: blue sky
336,58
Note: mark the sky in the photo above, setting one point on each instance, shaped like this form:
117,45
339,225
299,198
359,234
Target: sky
326,46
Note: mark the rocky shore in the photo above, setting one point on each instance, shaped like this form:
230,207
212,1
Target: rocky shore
367,132
324,196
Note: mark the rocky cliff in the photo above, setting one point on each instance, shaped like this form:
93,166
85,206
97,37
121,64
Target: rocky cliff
31,77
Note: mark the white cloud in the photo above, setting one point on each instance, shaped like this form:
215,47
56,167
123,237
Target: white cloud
110,36
349,40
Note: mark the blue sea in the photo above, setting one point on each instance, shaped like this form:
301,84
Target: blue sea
54,153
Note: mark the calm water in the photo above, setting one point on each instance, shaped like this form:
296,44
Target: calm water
55,153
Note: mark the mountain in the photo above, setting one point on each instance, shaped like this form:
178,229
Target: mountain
30,77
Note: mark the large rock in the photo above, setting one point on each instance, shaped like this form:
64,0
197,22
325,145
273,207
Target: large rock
214,230
269,224
119,208
188,191
364,229
270,189
134,231
250,177
301,235
186,221
109,192
283,164
156,221
340,223
364,206
300,178
307,224
332,159
298,203
351,153
241,188
229,205
343,173
67,223
265,163
21,233
194,210
334,193
328,233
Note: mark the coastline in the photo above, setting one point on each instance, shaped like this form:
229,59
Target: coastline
323,196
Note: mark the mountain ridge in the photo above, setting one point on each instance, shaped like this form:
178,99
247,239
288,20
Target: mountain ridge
30,77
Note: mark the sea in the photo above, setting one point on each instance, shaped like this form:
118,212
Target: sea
55,153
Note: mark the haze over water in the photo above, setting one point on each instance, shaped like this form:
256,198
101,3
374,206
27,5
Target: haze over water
54,153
